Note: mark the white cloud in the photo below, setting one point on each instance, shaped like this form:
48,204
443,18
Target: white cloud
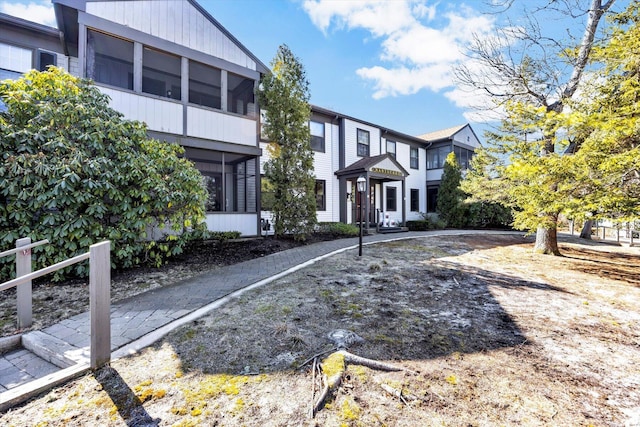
37,11
406,81
421,41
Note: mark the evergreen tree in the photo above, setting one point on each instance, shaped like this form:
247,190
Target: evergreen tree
284,96
450,206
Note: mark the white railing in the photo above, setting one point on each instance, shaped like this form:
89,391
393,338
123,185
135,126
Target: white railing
99,291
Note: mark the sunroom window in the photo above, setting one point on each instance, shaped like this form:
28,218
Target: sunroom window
205,85
161,74
240,98
109,60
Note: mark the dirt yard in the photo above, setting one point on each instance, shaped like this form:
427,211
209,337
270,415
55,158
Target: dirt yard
485,332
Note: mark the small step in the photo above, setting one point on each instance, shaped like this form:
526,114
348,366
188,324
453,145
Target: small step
54,350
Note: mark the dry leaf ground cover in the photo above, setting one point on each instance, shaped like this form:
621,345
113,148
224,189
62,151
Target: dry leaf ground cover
488,333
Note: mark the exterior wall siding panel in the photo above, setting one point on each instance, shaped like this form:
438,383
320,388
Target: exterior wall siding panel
161,116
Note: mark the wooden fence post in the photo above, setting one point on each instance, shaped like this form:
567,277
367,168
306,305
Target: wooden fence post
100,303
24,290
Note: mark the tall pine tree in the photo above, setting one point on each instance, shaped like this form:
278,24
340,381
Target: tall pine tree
284,97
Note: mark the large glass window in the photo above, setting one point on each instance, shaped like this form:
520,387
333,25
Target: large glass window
161,74
363,143
231,185
109,60
463,156
391,148
415,200
414,162
317,135
391,198
437,156
240,97
205,86
321,200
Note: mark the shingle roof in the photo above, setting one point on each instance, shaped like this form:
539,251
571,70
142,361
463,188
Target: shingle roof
442,134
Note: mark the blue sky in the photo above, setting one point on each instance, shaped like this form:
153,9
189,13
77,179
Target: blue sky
387,62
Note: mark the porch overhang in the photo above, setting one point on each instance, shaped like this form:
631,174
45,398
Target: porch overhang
382,168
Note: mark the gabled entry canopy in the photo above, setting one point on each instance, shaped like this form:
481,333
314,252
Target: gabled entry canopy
383,168
380,169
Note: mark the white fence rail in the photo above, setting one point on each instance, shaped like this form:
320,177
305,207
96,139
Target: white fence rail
99,291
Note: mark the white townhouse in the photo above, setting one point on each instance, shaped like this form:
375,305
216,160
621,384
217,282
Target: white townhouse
170,64
402,172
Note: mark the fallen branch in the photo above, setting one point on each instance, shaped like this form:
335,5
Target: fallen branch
369,363
338,361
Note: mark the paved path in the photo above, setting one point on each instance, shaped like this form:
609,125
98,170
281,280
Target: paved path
142,319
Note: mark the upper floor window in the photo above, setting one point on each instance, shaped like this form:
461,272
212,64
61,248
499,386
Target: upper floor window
205,87
317,135
463,156
44,59
391,148
437,156
161,74
363,143
413,158
240,98
109,60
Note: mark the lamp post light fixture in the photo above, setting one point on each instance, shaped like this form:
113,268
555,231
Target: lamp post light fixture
361,182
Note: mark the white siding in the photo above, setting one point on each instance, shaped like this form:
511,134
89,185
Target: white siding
159,115
74,66
176,21
466,136
209,124
244,223
323,170
434,174
351,140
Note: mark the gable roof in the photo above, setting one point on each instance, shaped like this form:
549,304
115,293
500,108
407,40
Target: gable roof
439,135
367,165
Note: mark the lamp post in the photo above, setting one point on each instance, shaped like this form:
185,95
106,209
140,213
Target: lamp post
361,182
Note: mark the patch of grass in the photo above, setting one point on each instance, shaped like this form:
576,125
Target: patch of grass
264,308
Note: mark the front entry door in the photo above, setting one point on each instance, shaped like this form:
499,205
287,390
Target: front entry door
372,205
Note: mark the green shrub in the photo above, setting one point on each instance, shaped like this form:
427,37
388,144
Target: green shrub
489,215
338,229
75,172
429,222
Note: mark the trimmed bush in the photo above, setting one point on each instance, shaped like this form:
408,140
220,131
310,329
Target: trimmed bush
338,229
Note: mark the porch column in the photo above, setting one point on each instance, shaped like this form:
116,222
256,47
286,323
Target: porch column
343,204
404,203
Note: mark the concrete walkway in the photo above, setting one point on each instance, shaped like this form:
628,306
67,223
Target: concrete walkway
141,320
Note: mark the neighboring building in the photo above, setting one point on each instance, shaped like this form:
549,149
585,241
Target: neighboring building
398,168
25,45
462,140
167,63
